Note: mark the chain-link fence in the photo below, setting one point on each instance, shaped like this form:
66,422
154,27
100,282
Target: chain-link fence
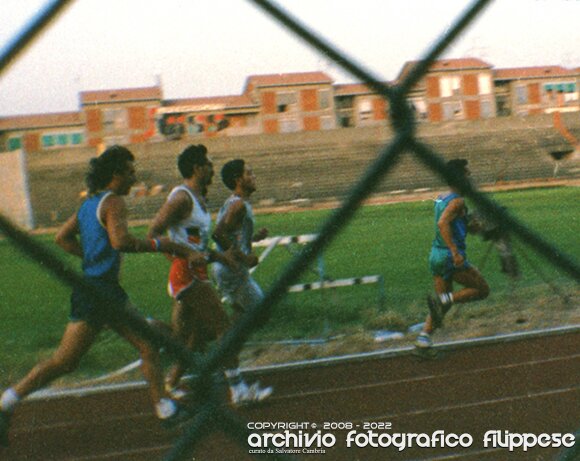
212,415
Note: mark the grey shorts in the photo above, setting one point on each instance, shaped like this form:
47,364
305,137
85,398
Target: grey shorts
238,287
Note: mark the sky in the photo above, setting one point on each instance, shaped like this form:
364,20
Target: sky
198,48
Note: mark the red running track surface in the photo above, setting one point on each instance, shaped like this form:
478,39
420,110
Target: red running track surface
523,383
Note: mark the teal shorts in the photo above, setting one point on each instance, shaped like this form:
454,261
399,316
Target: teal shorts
441,263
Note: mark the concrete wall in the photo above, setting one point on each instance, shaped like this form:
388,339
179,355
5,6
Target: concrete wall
14,193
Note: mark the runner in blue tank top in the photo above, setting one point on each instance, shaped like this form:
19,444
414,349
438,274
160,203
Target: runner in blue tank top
98,234
448,259
100,259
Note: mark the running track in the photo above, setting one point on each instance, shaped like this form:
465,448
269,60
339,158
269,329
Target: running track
522,383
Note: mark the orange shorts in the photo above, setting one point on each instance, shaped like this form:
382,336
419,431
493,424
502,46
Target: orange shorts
182,276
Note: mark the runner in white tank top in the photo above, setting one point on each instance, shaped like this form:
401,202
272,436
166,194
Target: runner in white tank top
198,316
193,230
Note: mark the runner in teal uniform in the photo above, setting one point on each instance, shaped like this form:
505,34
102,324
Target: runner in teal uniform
448,259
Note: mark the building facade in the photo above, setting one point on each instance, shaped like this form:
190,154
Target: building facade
452,89
125,116
536,90
195,117
42,132
358,105
293,102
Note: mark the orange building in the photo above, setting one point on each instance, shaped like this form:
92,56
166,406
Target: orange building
454,89
536,90
210,116
123,116
358,105
293,102
40,132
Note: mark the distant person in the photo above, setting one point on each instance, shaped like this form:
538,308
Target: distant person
198,315
98,234
234,232
448,259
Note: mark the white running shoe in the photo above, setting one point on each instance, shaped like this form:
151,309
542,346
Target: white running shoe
423,341
179,392
243,394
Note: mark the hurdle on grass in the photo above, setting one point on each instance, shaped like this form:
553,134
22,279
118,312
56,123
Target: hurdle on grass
324,282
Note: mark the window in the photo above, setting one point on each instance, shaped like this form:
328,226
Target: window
456,86
549,94
193,127
48,140
566,90
14,144
450,86
484,81
288,125
452,110
327,123
365,109
486,109
345,121
345,102
503,108
114,119
76,139
286,102
324,99
62,139
521,94
561,87
420,108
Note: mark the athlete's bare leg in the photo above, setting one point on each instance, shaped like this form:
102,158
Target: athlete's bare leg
150,362
198,318
77,339
474,288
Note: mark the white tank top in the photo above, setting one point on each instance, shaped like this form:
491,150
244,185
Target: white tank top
194,230
243,237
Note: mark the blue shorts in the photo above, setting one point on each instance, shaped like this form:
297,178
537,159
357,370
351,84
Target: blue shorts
441,263
97,312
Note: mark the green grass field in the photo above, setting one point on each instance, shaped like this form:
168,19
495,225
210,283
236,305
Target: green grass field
392,240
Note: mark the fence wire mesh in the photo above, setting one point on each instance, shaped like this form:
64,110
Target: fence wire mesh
213,415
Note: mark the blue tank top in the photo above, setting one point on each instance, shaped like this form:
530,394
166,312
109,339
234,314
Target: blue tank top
100,259
458,225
